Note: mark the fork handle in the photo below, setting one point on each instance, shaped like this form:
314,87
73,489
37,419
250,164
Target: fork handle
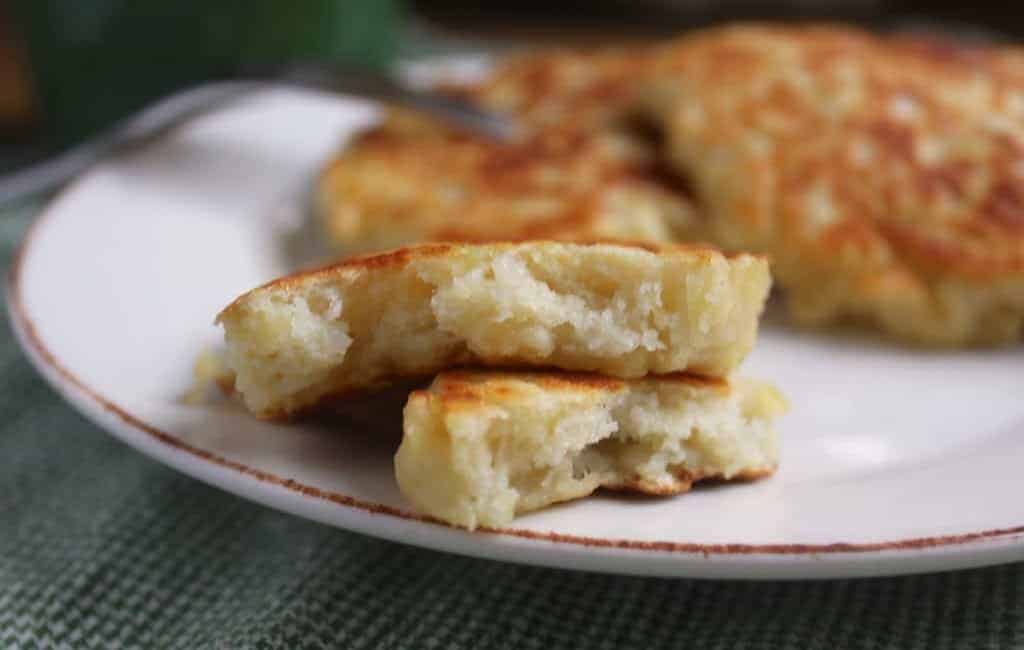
162,116
144,126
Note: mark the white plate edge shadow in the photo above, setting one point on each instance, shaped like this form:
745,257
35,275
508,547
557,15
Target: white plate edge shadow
742,561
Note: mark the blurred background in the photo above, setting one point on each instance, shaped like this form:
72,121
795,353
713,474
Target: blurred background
69,67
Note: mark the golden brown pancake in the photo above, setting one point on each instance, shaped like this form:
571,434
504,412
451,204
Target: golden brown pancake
621,310
884,175
564,91
480,447
580,171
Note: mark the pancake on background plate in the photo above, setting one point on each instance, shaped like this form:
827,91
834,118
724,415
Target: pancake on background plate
581,170
884,175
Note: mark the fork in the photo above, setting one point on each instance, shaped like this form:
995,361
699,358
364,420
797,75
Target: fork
174,110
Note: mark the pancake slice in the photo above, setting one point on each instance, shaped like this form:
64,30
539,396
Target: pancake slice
481,447
619,310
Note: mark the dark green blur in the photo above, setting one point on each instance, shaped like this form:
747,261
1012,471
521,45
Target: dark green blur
95,60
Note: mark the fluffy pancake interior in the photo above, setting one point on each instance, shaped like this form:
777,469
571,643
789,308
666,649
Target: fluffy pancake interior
618,310
479,448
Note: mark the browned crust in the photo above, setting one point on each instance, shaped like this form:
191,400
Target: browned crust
474,385
386,259
226,384
351,399
402,256
685,479
557,379
453,390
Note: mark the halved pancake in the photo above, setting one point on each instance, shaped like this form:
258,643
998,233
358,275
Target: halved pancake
580,171
612,308
481,447
884,175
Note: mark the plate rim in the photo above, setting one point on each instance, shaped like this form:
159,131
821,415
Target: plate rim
91,402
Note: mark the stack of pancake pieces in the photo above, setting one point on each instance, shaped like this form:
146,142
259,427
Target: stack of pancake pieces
557,289
558,367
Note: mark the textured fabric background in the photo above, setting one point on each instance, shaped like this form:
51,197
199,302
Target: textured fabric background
102,548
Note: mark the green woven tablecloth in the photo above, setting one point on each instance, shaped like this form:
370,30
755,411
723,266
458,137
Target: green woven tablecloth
101,547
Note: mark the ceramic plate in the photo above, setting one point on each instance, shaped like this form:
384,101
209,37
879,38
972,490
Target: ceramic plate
895,461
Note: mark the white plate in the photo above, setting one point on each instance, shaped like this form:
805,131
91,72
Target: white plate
894,461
